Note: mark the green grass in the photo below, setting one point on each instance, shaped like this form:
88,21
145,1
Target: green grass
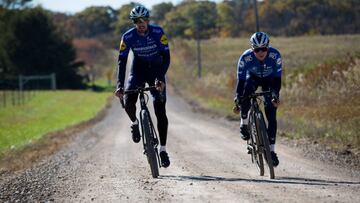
46,112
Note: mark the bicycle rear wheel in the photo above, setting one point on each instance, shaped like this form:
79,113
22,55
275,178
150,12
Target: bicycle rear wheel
255,143
149,143
266,144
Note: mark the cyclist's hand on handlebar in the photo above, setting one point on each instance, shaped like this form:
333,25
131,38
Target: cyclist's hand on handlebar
160,85
238,100
275,99
119,92
236,109
275,102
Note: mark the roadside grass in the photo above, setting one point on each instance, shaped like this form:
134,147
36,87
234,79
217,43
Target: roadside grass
326,100
47,112
316,75
220,56
102,85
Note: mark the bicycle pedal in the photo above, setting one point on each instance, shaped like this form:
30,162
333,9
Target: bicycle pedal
249,151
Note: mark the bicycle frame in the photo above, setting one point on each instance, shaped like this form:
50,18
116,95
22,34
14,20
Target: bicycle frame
258,143
254,143
148,133
143,107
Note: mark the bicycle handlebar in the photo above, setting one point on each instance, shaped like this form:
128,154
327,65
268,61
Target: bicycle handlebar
259,94
253,96
138,90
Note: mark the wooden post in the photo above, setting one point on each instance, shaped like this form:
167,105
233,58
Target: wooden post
53,81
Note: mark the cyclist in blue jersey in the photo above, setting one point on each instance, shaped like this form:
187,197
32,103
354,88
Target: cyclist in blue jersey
259,66
150,64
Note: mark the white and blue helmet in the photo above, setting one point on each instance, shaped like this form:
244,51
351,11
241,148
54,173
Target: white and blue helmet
139,12
259,39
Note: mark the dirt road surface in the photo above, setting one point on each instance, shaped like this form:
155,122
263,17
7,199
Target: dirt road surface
208,164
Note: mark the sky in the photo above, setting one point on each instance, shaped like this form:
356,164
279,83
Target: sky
74,6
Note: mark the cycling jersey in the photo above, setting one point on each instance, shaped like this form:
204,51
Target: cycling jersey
151,55
249,66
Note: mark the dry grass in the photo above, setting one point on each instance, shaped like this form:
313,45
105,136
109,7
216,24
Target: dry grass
320,82
326,98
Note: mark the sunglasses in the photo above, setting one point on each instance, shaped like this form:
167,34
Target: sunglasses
263,49
139,20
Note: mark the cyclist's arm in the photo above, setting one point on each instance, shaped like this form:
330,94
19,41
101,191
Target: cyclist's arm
277,84
165,54
276,81
122,60
241,77
165,65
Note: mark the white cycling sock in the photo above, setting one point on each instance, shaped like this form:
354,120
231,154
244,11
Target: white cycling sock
162,148
272,147
244,121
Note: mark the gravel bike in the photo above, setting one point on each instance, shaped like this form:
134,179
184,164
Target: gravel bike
148,132
258,144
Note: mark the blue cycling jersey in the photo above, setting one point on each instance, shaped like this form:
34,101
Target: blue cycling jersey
249,65
147,47
151,55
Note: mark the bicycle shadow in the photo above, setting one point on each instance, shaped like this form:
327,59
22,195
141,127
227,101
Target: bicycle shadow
277,180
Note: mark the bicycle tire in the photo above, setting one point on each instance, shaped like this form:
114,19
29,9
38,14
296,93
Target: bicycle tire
148,139
256,152
266,144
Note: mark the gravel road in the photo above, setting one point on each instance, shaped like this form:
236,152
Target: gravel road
209,163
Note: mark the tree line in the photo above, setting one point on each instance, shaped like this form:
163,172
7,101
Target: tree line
234,18
37,41
30,44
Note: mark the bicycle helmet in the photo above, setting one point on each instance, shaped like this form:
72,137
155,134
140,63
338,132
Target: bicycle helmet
259,39
139,12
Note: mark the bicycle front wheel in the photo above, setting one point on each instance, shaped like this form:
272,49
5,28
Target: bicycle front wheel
255,142
265,140
149,143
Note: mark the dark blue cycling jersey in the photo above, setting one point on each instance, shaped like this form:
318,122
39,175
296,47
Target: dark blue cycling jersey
249,66
151,55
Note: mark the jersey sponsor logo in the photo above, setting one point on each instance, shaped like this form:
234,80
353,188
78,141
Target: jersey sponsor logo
145,48
164,40
156,30
262,72
279,61
122,45
147,55
273,55
241,64
248,59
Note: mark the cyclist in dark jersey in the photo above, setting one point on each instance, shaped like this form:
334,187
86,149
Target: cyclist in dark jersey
150,64
259,66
